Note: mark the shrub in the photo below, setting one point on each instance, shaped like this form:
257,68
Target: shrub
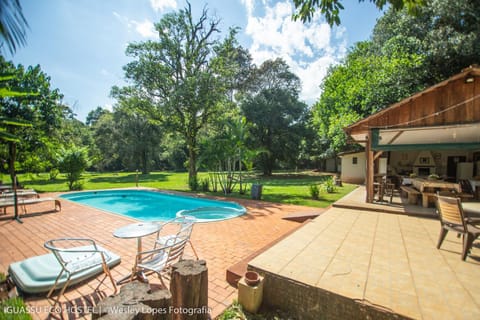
205,185
329,185
54,173
314,191
193,183
73,163
233,312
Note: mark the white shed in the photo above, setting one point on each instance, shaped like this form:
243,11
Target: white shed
353,167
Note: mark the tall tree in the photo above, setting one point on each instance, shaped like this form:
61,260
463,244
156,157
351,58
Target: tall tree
363,84
406,54
271,104
181,75
42,107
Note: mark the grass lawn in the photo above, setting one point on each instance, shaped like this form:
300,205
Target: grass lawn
291,188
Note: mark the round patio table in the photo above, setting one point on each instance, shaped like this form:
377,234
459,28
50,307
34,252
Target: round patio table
136,230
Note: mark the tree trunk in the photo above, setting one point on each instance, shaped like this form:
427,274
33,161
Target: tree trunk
12,150
189,288
145,162
192,165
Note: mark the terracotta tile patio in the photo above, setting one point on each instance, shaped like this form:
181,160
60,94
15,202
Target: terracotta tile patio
221,244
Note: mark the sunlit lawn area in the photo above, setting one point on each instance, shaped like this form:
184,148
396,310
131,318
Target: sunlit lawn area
291,188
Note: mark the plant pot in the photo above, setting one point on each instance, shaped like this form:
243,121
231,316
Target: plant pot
257,191
252,278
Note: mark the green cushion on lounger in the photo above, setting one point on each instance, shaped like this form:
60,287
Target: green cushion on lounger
37,274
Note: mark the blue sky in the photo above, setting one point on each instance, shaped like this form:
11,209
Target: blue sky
81,44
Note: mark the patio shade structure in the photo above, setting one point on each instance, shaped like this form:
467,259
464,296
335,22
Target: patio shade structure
444,116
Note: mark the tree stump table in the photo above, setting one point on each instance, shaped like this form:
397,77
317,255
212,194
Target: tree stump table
135,301
189,288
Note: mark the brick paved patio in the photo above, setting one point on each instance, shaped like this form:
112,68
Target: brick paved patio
362,263
221,244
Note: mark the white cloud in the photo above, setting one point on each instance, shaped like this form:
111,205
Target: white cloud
309,49
162,5
146,29
108,106
249,5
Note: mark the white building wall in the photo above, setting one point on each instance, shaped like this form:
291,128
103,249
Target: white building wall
353,172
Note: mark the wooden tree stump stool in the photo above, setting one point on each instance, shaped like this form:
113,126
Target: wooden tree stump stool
189,288
135,301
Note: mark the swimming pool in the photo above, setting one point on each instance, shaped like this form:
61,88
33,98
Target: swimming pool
152,205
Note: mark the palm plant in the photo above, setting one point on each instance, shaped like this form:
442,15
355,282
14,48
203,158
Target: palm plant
12,24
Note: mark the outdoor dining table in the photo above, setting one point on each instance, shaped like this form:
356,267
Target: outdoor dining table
471,208
138,231
428,188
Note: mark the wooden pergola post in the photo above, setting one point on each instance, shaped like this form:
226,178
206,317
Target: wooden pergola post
369,170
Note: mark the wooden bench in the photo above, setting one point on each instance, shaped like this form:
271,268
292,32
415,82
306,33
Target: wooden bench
412,194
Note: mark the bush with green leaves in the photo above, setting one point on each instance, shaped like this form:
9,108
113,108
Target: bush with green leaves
205,185
73,163
314,191
193,183
53,173
329,185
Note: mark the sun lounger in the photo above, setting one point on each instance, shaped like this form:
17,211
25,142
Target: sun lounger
24,193
38,274
23,202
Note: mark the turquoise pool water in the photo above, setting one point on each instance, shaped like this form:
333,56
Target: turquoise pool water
153,206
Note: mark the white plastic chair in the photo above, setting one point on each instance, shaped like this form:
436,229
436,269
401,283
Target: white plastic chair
186,224
168,250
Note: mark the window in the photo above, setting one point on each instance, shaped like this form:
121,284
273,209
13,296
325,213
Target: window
354,160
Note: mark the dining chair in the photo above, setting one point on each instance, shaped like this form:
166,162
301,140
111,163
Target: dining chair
452,218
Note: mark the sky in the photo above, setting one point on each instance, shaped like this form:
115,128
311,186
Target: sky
81,44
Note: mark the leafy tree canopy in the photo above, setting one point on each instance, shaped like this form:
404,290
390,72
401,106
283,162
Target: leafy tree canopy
330,9
406,54
277,117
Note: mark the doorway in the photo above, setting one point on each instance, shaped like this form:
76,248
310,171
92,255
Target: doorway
452,165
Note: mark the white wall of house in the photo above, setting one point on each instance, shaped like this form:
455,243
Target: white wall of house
353,167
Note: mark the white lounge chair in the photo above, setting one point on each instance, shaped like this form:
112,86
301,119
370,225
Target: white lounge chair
23,202
74,261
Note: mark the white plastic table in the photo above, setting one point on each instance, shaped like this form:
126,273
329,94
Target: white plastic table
138,231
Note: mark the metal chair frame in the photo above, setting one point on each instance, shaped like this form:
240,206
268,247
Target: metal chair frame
71,267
